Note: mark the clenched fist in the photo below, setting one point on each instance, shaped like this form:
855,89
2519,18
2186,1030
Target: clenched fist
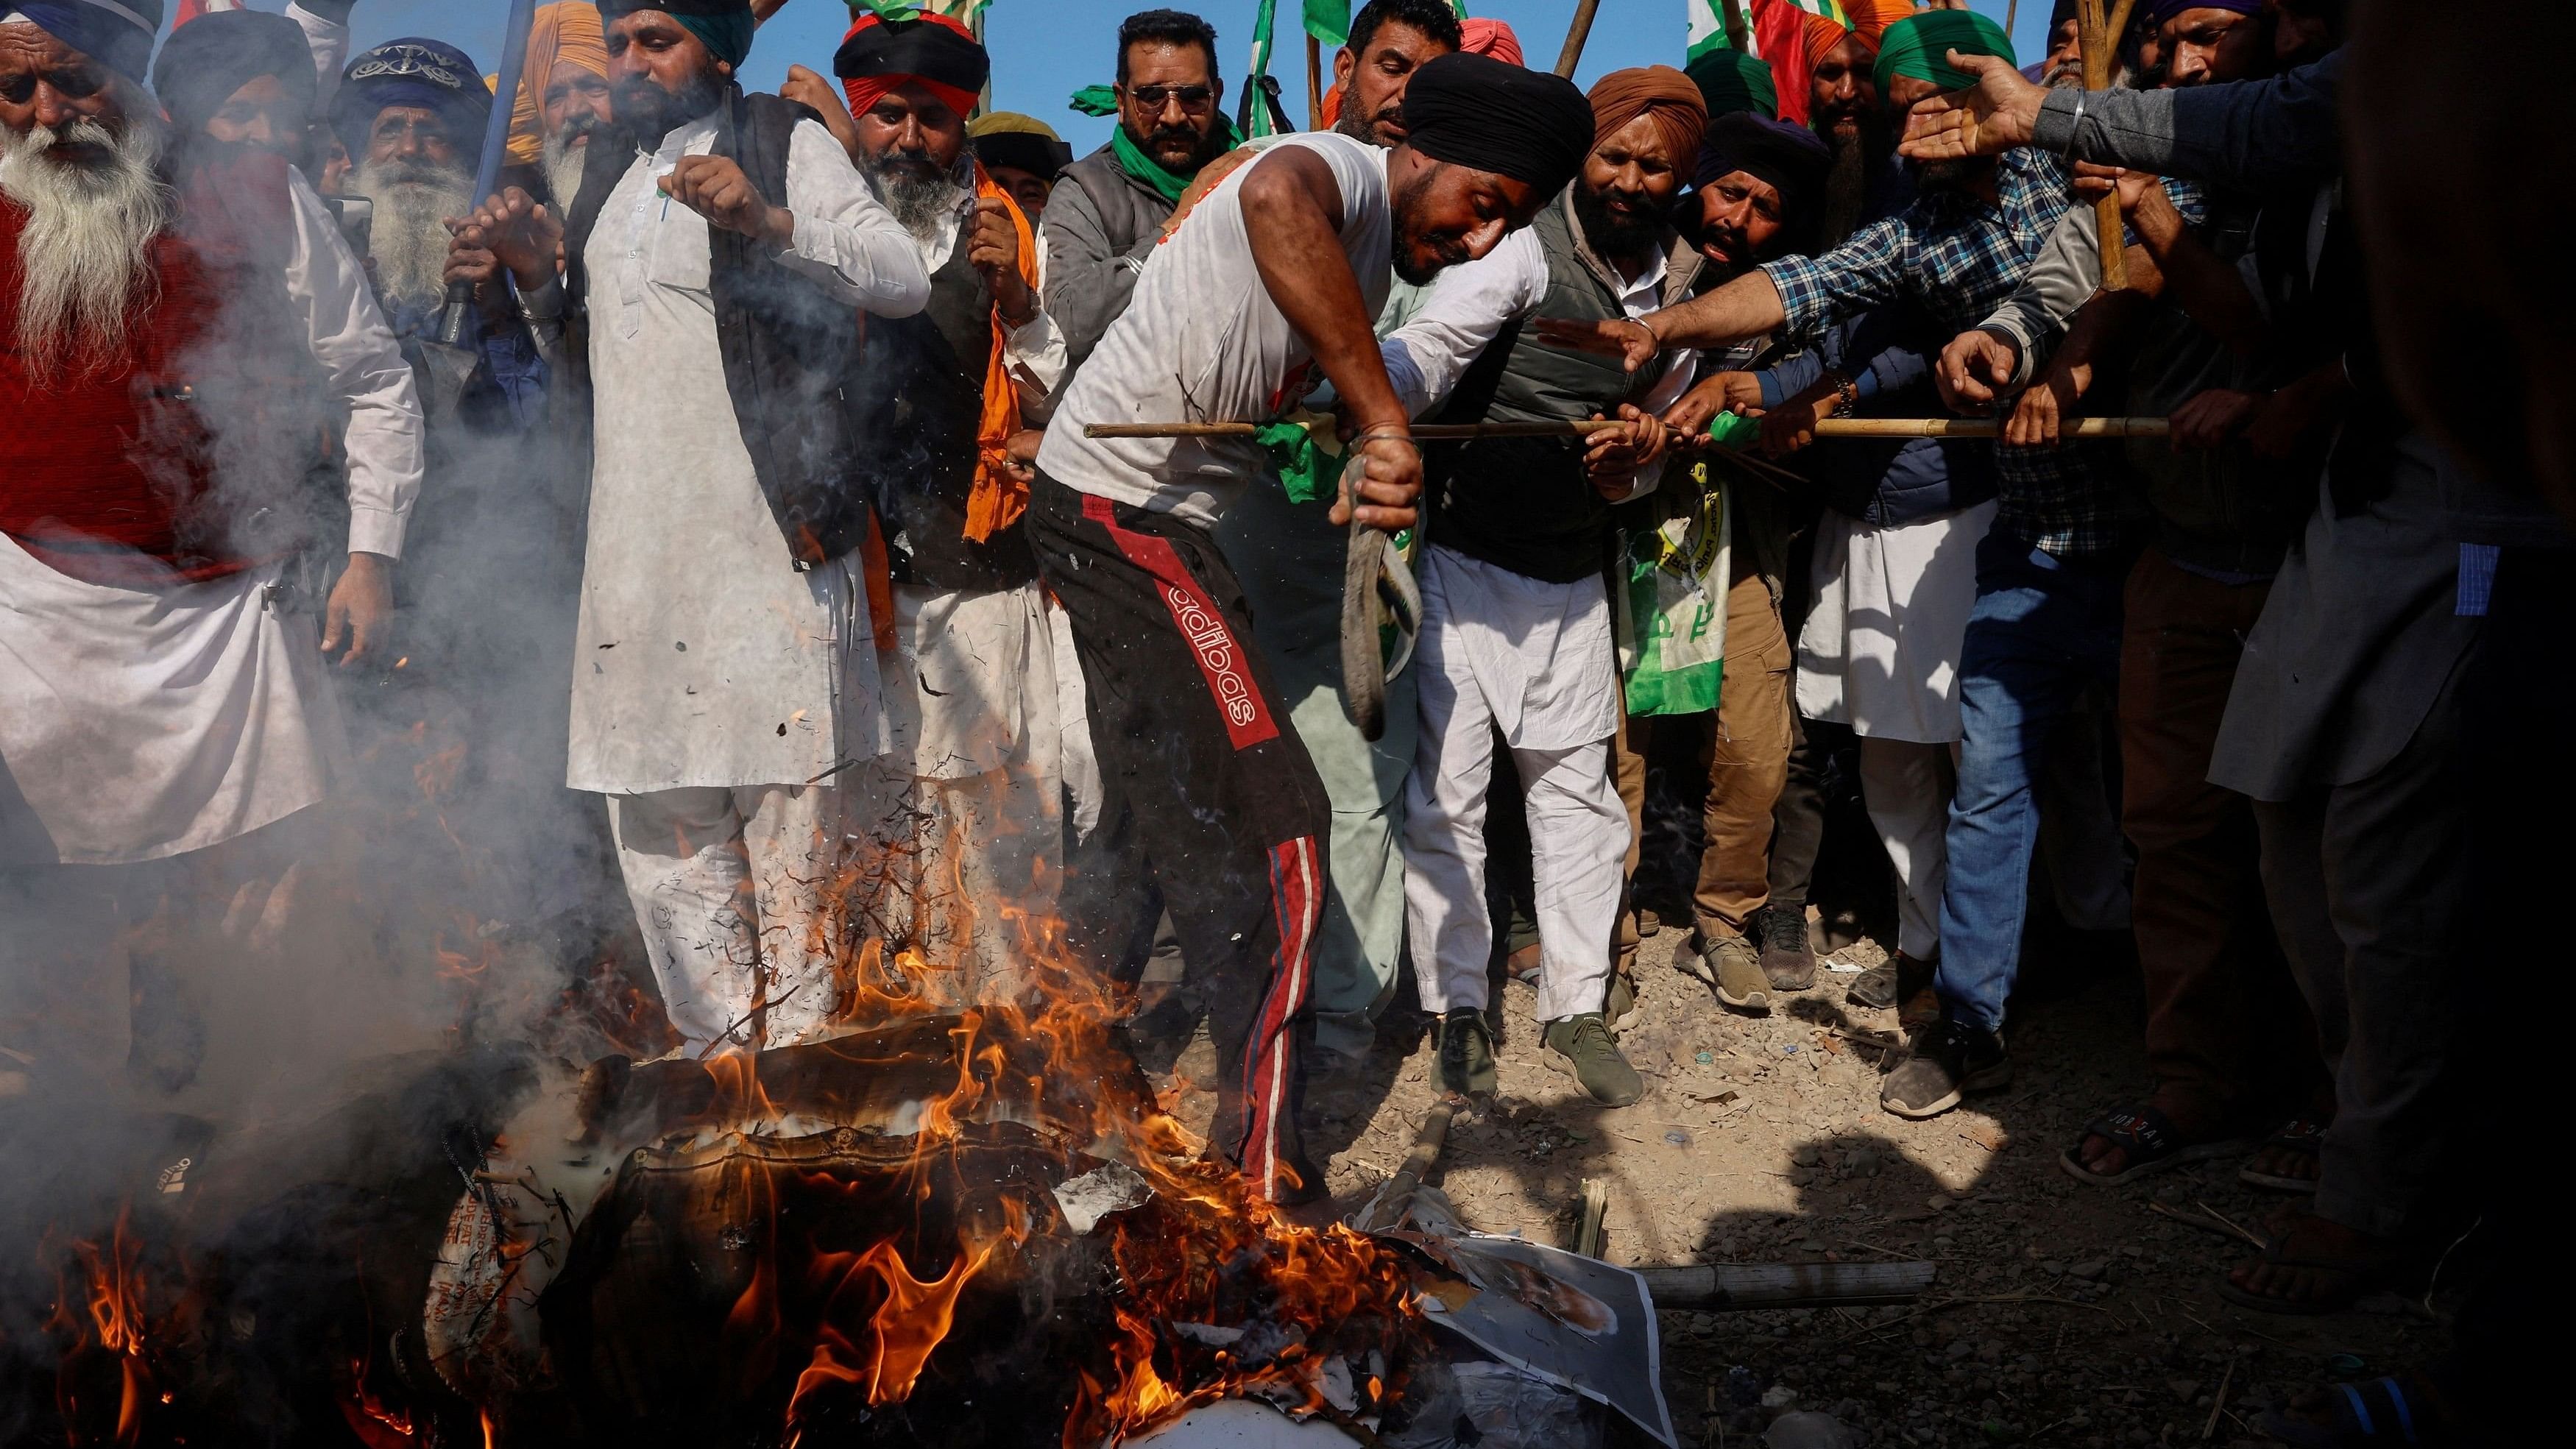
715,188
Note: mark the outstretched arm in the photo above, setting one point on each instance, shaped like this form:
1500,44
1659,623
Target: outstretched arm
1292,211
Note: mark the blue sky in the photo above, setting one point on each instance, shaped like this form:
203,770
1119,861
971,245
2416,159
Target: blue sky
1044,50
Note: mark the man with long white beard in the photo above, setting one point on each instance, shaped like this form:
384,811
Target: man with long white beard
173,357
562,100
726,665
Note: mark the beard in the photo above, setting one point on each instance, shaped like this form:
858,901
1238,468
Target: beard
1948,175
921,196
1183,148
649,113
1857,149
1375,129
564,153
1614,233
409,239
1415,236
84,251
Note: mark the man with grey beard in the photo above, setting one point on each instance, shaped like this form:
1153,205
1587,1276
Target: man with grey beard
411,113
175,355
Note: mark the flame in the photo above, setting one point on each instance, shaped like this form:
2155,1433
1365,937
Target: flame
112,1296
910,1319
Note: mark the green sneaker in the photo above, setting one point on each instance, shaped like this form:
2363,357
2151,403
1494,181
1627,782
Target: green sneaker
1580,1047
1736,972
1620,1007
1465,1059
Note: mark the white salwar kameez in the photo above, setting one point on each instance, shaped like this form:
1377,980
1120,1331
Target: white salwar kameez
140,723
958,828
1880,653
1537,660
705,661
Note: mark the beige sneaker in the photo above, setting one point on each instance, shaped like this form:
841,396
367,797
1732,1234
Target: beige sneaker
1736,971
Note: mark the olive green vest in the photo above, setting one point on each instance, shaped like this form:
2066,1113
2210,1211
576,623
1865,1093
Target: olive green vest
1525,504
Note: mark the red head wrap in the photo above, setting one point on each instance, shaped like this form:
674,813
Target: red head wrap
932,51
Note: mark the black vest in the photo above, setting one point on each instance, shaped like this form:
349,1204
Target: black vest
791,352
1525,504
923,401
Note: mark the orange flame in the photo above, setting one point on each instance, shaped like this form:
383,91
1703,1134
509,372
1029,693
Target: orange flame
113,1297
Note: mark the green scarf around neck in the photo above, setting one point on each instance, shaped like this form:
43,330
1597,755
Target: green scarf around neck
1150,171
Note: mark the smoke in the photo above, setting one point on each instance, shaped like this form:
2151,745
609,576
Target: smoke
94,201
413,200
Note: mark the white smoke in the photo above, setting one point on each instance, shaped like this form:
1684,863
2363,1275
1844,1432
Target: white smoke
84,254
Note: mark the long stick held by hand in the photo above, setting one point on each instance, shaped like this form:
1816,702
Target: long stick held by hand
2101,46
1825,428
1576,34
454,318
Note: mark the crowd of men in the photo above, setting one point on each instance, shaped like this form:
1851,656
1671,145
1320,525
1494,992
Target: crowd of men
769,424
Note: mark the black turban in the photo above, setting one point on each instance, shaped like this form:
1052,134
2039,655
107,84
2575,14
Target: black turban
218,53
1789,157
1488,115
1792,158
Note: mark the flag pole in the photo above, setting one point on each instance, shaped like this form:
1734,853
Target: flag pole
455,318
1314,83
1575,35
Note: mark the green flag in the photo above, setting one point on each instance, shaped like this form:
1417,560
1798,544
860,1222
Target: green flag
1329,21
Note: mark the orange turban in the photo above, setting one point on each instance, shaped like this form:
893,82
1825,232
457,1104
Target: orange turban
1656,91
1491,37
1872,17
566,33
1823,35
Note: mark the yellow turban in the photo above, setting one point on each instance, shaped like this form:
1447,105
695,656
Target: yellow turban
567,33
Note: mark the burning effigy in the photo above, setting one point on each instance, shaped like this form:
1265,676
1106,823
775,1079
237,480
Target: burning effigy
934,1224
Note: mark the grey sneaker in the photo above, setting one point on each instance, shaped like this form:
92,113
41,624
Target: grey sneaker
1947,1062
1465,1059
1788,960
1580,1047
1736,973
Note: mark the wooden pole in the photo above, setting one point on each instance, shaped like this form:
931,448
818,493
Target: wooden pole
1314,84
1785,1285
2093,32
1575,34
1825,428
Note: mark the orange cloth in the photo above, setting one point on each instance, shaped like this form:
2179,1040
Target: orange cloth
1872,17
1664,95
998,498
1491,37
1823,35
567,32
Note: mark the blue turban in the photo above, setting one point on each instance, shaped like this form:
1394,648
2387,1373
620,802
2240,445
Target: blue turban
116,33
430,74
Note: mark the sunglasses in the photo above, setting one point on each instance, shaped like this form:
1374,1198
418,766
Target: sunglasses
1154,98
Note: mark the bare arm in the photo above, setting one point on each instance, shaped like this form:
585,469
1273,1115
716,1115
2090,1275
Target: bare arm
1292,211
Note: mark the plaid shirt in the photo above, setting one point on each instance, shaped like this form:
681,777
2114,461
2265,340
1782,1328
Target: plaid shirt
1958,258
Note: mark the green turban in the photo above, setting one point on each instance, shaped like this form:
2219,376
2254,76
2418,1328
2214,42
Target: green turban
1731,81
1920,44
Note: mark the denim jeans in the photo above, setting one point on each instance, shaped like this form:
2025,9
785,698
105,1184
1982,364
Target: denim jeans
2042,631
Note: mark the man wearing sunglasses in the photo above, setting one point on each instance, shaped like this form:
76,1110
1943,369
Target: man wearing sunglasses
1108,208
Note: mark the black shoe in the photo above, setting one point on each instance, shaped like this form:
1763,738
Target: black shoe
1787,957
1948,1061
1463,1060
1890,982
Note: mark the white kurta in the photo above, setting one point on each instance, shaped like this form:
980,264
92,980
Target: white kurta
704,658
147,722
1880,650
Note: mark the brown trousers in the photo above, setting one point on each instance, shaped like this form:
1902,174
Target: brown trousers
1748,764
2227,1030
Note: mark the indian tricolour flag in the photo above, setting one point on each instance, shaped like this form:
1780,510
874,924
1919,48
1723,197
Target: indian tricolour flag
1707,19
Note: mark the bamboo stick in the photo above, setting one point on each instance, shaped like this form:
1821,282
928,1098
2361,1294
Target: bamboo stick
1785,1285
1575,35
1825,428
1314,84
2101,45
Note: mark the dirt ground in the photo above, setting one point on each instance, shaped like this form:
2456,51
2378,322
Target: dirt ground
2062,1314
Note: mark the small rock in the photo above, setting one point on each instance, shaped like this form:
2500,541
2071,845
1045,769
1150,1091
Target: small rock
2053,1268
2089,1268
1779,1398
1960,1349
2184,1389
1807,1429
